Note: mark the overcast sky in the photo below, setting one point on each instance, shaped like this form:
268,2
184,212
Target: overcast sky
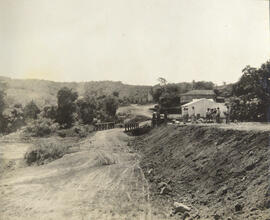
133,41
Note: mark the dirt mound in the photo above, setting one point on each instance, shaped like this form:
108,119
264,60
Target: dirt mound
221,174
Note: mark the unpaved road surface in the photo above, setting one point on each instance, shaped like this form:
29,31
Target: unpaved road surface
135,109
102,180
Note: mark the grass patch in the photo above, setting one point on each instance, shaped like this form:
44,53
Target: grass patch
46,151
76,131
104,159
41,127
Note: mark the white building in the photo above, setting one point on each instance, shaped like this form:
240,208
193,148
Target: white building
201,106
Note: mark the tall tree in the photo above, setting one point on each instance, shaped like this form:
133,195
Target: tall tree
87,108
110,105
31,110
251,94
162,81
66,106
170,96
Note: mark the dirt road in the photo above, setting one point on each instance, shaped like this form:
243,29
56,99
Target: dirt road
135,109
101,181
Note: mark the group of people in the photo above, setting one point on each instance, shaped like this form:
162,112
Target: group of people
186,115
212,115
158,119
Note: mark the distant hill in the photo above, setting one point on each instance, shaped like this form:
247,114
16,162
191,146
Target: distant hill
44,92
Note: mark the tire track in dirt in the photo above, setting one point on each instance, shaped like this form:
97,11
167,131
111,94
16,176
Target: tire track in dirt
102,181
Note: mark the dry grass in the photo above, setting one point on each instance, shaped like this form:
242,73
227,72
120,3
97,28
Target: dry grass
105,159
46,151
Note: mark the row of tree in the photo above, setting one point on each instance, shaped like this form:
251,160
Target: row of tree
168,94
248,99
69,108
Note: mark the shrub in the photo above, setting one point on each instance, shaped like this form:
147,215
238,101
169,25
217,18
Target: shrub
104,159
76,131
45,152
49,112
14,118
42,127
86,109
31,110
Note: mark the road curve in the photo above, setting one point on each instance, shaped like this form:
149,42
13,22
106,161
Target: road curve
101,181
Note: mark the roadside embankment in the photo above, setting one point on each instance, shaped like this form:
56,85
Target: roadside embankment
219,173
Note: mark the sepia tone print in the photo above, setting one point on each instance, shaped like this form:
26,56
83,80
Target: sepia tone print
134,110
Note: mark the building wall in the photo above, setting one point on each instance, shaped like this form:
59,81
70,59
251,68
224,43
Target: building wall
202,106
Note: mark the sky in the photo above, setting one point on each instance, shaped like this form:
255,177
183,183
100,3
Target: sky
133,41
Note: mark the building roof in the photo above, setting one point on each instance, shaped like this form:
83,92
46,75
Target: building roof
196,101
199,92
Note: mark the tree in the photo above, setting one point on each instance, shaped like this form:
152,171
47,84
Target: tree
251,94
170,96
116,94
49,112
203,85
166,95
66,106
110,105
15,118
86,109
158,90
162,81
31,110
2,106
2,97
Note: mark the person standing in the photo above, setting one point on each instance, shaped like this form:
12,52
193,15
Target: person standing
154,119
227,115
208,115
214,115
193,115
158,118
218,115
165,117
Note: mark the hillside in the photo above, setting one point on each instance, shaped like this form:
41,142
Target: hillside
219,173
44,92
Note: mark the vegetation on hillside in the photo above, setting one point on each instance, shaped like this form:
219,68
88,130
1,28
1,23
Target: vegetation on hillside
43,92
2,106
88,103
31,110
70,108
251,95
168,94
